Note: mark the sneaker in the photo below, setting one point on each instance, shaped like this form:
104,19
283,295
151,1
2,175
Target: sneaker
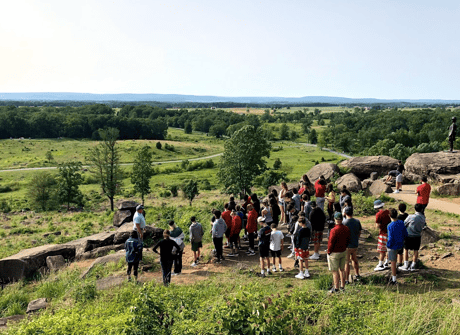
400,190
392,282
219,261
231,254
306,274
314,257
175,274
281,270
347,282
333,290
296,263
358,278
291,255
379,268
251,253
404,268
399,264
193,264
397,191
413,268
386,265
300,276
274,269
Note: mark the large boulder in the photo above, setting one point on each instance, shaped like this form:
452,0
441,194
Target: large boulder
449,189
352,183
366,183
55,263
89,243
429,236
324,169
364,166
122,216
36,305
433,164
112,258
127,204
378,187
99,252
122,234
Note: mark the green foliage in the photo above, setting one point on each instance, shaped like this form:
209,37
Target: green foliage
158,145
174,190
5,206
13,300
169,147
323,282
277,165
85,292
49,156
69,180
243,159
269,178
188,127
313,137
142,171
42,191
284,132
190,190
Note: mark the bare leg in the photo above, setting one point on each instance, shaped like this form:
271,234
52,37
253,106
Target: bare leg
355,263
316,247
393,268
342,277
335,279
262,264
301,265
382,256
347,264
415,257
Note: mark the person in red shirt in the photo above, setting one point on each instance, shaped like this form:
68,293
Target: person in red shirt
320,191
423,193
251,228
234,233
337,252
382,220
226,215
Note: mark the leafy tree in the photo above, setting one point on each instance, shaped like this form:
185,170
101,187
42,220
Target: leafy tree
42,191
294,135
190,190
69,180
49,156
158,145
243,159
217,130
104,159
312,137
306,125
188,127
270,178
321,140
142,171
284,132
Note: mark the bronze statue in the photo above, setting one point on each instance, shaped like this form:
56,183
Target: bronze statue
452,133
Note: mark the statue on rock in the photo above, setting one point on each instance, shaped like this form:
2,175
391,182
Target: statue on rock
452,133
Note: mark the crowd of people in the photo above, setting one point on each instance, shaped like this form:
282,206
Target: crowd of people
306,223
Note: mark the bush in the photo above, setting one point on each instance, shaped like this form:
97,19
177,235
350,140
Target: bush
5,189
85,292
158,145
5,206
174,189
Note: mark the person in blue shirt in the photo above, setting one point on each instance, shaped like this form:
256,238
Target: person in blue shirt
397,233
133,247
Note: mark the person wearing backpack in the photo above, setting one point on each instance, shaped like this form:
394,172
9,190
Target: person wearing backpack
133,247
264,246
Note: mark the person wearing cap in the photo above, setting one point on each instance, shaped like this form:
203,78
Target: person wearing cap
337,252
452,133
264,245
382,219
251,228
178,236
352,249
139,222
423,193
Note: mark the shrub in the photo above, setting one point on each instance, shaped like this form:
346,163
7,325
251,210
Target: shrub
5,189
85,292
174,189
5,206
158,145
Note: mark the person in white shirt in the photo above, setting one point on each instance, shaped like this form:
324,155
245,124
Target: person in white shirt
139,222
276,246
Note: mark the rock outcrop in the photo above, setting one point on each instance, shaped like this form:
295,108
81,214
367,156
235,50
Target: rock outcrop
378,187
364,166
351,181
449,189
121,217
55,263
324,169
433,164
122,234
366,183
429,236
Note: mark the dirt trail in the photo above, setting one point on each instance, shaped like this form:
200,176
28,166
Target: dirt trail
408,195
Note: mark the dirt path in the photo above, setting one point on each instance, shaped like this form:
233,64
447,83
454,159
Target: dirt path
408,195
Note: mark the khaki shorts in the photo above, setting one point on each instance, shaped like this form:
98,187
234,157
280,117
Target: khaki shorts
337,260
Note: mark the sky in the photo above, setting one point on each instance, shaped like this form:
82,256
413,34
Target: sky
387,49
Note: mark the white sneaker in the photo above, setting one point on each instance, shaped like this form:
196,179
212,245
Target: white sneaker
404,268
300,276
281,269
193,264
397,191
386,265
379,268
291,256
306,274
314,257
412,267
274,269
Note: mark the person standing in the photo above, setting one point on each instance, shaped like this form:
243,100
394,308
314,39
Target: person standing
251,228
228,221
267,212
397,233
234,234
281,195
177,236
399,177
302,243
330,200
276,246
345,196
218,230
296,199
414,225
167,246
382,219
196,233
352,248
320,191
452,133
139,222
264,246
337,252
133,247
318,220
423,193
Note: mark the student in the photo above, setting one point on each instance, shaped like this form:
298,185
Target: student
178,236
133,247
392,173
318,220
330,200
234,234
276,246
414,225
226,215
423,194
397,233
218,230
231,204
352,248
302,242
337,252
309,188
296,199
382,219
293,226
167,246
346,204
320,190
244,208
251,228
242,215
399,177
196,233
275,209
345,197
306,206
264,246
402,216
255,203
267,212
283,191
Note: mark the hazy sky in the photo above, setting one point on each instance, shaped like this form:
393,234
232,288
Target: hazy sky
350,48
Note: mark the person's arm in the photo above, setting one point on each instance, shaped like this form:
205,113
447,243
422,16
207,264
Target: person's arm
282,242
139,231
154,249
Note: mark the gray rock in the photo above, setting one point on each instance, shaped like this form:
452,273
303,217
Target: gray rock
113,258
89,243
99,252
366,183
448,178
122,234
378,187
349,180
109,282
122,216
429,237
127,204
55,263
433,164
449,189
36,305
325,169
8,319
364,166
374,176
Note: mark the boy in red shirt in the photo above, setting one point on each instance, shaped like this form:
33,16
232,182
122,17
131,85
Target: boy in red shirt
382,220
337,252
320,187
423,193
234,233
251,228
226,215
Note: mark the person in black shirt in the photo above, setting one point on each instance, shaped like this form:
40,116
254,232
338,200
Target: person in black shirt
264,245
255,203
318,220
167,255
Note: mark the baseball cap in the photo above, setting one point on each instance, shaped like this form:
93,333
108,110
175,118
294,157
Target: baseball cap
338,216
378,204
139,207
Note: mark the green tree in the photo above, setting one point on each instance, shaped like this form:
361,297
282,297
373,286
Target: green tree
69,180
142,171
313,137
243,159
158,145
49,156
284,132
277,164
104,160
42,191
190,190
321,140
294,135
217,130
270,178
188,127
306,125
